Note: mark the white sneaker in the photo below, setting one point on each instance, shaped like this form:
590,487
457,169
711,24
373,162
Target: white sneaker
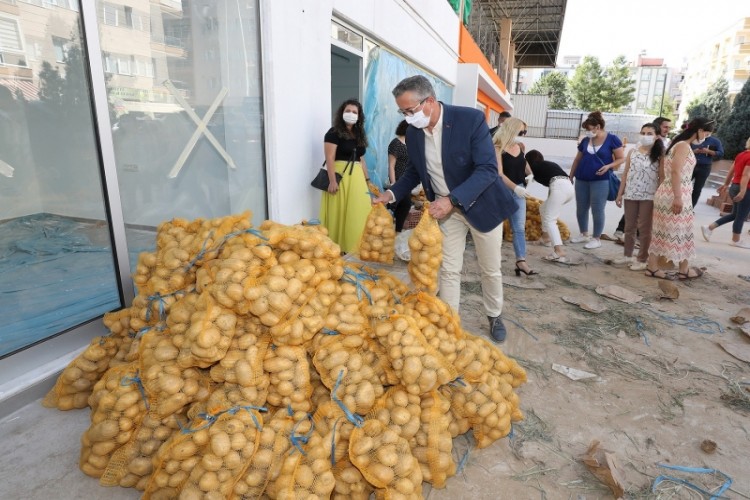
594,243
706,232
623,260
581,238
619,235
638,266
741,244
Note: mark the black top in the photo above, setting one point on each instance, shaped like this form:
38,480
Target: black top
514,167
545,170
345,146
399,151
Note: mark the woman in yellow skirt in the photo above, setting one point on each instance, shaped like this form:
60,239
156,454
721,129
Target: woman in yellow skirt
346,205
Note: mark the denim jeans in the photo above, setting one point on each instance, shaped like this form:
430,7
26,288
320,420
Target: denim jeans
591,195
518,225
740,210
700,175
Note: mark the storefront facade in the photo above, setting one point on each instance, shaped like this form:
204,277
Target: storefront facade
118,115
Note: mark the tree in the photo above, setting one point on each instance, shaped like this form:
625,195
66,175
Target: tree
555,85
587,85
665,108
618,86
735,130
696,108
717,102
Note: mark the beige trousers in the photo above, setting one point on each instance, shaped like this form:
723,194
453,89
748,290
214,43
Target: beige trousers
454,229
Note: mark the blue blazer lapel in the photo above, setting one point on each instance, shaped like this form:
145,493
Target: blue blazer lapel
447,131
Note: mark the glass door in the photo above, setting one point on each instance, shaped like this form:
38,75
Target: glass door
57,267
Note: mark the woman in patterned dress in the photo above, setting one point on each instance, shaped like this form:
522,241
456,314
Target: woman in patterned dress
673,206
643,167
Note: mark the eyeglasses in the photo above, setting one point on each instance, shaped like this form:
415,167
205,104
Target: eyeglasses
410,111
522,132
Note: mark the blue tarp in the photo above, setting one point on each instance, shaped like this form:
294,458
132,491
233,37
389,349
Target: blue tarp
52,277
384,70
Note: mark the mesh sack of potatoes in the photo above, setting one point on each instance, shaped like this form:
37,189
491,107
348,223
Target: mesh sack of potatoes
118,324
474,357
426,245
301,325
209,334
232,441
377,243
169,386
344,370
265,465
243,362
118,405
345,315
400,411
306,241
439,324
320,393
418,365
331,419
386,461
433,442
306,472
144,269
507,368
378,290
212,234
289,375
484,405
131,465
242,259
76,382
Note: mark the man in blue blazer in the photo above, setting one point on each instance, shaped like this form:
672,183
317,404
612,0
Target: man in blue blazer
451,154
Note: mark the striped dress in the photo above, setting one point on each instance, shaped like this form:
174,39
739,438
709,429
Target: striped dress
673,233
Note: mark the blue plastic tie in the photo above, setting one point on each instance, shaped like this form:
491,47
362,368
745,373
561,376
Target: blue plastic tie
249,409
200,254
328,331
333,442
521,327
458,381
314,222
642,331
697,470
355,419
139,384
299,439
162,311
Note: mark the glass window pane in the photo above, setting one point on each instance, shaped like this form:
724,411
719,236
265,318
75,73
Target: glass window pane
56,264
185,101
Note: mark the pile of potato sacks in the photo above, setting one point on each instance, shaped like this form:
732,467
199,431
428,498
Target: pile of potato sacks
255,362
534,223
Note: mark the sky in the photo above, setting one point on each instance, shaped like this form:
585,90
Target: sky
668,29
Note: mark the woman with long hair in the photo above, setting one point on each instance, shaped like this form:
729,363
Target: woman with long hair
398,162
643,167
739,176
346,205
598,153
673,206
513,169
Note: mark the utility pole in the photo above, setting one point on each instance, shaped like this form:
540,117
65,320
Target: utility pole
663,88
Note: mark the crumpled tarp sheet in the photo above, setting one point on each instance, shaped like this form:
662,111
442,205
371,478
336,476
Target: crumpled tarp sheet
52,277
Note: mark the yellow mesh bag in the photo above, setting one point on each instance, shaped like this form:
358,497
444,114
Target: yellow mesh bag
474,358
399,411
265,464
233,440
504,366
345,314
377,243
484,405
419,366
289,375
131,466
76,382
533,228
212,328
439,324
118,322
243,258
312,477
243,362
434,443
306,241
426,245
385,460
169,386
301,325
144,269
118,405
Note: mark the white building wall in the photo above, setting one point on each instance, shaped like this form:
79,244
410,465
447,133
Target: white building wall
296,45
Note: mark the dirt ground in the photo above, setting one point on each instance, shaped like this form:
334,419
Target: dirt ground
663,385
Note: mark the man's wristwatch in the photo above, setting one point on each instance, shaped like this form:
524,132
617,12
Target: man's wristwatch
454,200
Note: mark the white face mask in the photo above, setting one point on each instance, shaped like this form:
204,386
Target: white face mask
589,134
418,119
647,140
350,118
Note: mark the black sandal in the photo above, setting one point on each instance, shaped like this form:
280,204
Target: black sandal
530,272
686,276
652,274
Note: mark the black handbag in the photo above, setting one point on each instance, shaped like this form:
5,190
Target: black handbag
321,181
